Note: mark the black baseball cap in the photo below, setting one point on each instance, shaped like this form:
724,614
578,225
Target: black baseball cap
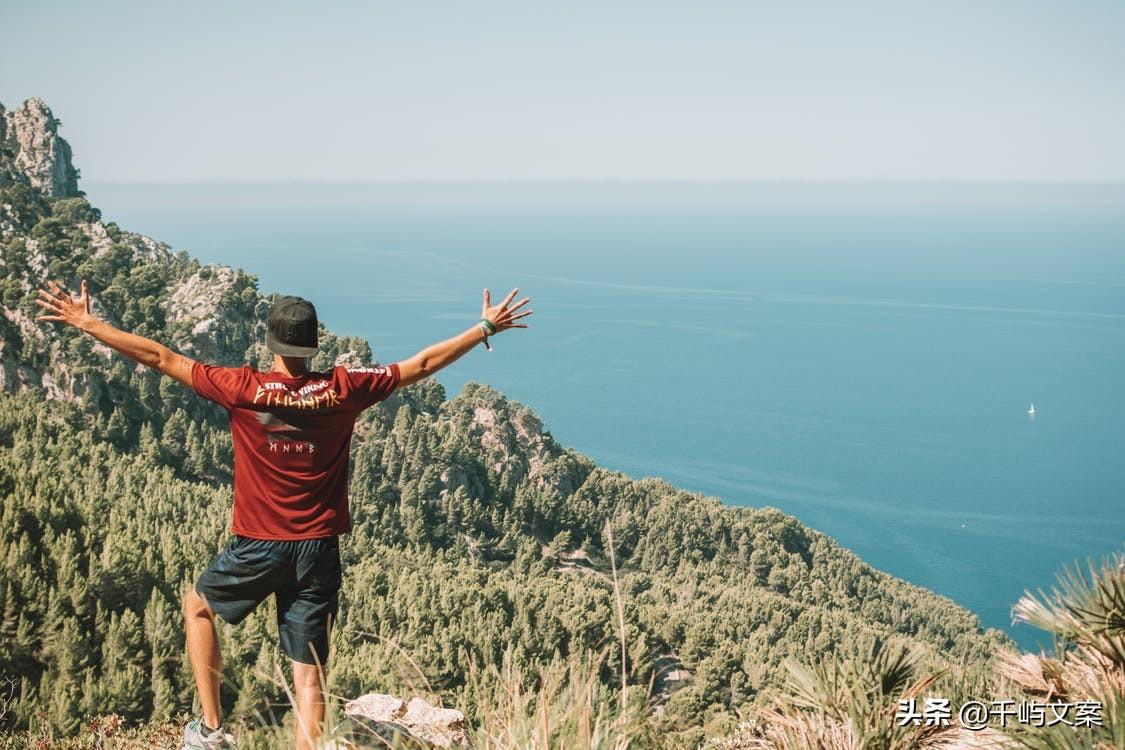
291,328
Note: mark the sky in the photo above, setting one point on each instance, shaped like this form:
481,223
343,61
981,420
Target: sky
491,90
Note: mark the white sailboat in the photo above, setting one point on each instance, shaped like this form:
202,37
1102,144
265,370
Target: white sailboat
1031,411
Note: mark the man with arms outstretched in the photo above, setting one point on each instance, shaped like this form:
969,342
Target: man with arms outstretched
291,429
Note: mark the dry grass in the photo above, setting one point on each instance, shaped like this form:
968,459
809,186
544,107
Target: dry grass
568,707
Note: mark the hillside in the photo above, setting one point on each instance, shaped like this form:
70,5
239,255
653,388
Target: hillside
478,539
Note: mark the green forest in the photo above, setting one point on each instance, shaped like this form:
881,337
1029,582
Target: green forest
480,544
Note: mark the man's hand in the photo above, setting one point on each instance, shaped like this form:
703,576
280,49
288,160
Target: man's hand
431,359
502,316
62,308
75,311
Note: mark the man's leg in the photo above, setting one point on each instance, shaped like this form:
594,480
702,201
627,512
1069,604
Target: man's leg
206,659
308,690
305,613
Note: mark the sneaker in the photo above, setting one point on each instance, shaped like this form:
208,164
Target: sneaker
196,737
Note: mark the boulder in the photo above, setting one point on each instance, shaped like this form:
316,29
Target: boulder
414,724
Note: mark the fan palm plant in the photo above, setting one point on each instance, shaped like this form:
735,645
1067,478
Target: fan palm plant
1086,615
848,703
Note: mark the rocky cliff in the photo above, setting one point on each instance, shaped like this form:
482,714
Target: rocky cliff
30,135
50,231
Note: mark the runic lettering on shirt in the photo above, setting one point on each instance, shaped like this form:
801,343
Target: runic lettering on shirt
311,400
280,444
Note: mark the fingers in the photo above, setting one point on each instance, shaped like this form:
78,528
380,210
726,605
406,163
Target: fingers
59,294
49,304
506,313
49,296
58,304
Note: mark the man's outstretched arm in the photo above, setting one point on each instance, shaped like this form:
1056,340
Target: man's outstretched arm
60,307
431,359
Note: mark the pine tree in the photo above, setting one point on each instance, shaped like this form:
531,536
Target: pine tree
69,661
165,640
124,687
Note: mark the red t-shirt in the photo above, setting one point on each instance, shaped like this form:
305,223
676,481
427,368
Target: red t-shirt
291,437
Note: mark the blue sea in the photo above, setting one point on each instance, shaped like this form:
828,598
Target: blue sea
860,355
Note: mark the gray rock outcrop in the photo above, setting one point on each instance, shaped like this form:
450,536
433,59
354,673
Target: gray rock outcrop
41,156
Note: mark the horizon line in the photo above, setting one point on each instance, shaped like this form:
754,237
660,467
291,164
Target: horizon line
686,181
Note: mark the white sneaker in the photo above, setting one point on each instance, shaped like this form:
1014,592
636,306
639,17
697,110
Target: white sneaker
196,737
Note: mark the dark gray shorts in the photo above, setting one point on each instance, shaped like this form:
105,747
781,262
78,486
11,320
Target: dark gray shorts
303,575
